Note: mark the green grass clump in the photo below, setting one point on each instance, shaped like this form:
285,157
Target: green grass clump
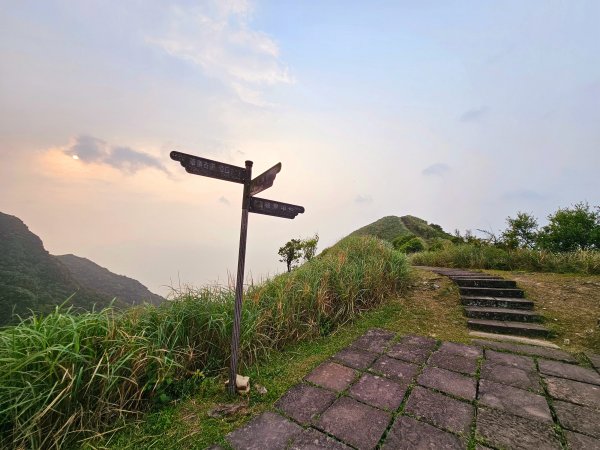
66,377
488,257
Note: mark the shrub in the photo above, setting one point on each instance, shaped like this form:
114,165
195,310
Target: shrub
402,239
438,244
489,257
412,246
64,377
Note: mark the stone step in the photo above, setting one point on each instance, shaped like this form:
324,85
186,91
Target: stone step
492,292
458,273
474,275
486,282
507,327
514,315
494,302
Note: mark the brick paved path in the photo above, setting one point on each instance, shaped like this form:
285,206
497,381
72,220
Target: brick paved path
417,393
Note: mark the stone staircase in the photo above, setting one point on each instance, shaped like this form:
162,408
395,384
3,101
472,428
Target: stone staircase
495,305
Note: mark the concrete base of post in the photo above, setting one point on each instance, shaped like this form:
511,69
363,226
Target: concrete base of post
242,384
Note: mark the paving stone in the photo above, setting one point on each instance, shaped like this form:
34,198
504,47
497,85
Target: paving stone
375,340
454,362
578,418
578,441
398,370
332,376
354,423
520,362
467,351
574,391
504,430
513,400
379,391
544,352
595,359
302,402
417,355
269,431
569,371
511,375
311,439
410,434
424,342
440,410
449,382
356,357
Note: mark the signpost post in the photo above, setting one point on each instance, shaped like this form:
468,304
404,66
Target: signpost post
214,169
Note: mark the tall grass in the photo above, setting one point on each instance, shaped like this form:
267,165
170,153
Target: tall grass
65,377
488,257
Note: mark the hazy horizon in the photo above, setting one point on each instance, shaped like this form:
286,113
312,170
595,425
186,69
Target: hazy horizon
456,112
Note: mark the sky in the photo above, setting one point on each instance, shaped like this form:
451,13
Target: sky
458,112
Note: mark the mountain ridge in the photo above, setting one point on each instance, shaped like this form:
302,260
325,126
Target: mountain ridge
93,276
33,280
390,227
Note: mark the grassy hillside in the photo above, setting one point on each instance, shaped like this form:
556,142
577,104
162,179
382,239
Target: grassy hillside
431,307
96,278
390,227
30,278
64,376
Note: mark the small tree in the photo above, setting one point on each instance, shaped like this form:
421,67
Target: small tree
309,247
490,237
570,229
471,239
290,253
457,238
522,231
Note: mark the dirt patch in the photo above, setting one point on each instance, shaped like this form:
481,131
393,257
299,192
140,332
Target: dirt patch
569,303
432,307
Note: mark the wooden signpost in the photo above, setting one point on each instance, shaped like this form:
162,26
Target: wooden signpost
214,169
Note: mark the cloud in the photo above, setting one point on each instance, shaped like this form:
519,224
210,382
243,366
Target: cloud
437,169
217,38
363,199
224,200
475,114
91,150
524,194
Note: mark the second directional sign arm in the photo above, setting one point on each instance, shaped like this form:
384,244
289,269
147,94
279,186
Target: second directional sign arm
264,180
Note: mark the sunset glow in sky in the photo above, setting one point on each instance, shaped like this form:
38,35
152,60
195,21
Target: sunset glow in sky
459,112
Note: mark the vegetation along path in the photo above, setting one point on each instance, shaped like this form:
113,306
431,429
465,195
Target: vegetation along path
495,304
418,393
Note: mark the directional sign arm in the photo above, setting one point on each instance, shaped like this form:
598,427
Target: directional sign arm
209,168
264,180
274,208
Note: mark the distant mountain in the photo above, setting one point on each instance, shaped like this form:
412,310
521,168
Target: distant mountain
33,280
390,227
94,277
